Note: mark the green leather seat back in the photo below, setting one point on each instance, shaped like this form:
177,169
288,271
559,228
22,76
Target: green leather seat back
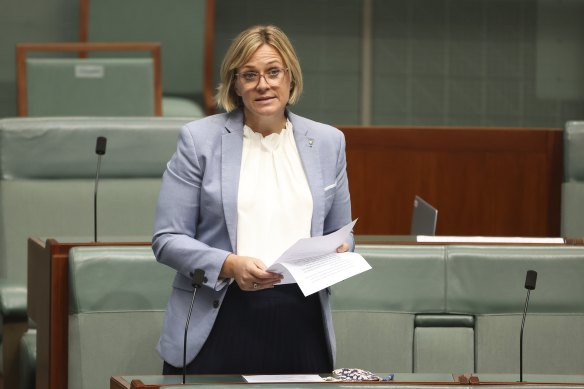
457,309
572,210
573,185
180,28
488,281
117,301
63,209
90,87
491,279
47,175
373,312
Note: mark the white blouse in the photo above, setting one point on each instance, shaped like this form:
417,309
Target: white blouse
274,203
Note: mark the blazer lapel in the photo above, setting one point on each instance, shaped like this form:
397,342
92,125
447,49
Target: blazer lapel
307,146
231,151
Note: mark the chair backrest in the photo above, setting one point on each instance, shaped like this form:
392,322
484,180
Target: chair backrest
374,312
88,87
117,302
47,173
573,186
488,282
458,309
183,27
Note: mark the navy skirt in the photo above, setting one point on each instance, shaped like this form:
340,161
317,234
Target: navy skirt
272,331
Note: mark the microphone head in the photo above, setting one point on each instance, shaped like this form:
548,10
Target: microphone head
100,145
198,278
530,279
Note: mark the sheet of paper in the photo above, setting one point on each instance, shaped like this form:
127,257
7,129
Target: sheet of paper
283,378
487,239
318,245
314,264
316,273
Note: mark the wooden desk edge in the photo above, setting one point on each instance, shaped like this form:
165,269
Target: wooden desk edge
118,382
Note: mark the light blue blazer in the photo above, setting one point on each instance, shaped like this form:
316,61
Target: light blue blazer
196,216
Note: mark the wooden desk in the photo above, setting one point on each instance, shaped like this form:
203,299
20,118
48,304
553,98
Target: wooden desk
401,380
48,306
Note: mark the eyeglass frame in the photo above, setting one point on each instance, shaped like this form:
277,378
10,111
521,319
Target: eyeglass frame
260,75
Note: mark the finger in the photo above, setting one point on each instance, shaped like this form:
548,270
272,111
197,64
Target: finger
259,264
263,284
342,248
263,275
255,286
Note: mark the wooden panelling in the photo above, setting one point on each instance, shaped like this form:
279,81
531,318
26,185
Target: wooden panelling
484,181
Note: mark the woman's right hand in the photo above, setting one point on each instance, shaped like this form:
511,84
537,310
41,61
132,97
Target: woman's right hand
249,273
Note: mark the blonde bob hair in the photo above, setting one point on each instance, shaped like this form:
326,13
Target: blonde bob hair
242,48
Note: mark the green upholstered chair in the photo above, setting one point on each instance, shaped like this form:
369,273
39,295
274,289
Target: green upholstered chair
573,185
374,312
88,86
47,172
488,282
185,30
118,296
457,309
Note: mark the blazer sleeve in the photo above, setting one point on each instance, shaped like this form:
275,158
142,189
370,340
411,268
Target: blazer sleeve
177,213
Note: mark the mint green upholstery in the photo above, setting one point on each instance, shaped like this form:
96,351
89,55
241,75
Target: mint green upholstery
177,106
90,87
456,309
12,300
27,359
47,168
179,27
442,349
490,279
573,185
117,300
374,312
489,282
47,172
444,342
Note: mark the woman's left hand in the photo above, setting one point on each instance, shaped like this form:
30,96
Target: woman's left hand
342,248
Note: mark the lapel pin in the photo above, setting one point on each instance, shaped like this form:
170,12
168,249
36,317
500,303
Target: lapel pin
310,142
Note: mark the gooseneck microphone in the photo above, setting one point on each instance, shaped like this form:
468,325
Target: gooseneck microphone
197,282
530,279
100,145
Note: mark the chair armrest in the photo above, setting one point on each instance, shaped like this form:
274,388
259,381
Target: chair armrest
13,301
27,359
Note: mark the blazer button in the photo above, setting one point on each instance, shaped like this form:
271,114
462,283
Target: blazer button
216,304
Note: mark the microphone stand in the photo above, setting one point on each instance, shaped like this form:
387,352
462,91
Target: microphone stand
198,279
95,199
530,280
100,146
521,338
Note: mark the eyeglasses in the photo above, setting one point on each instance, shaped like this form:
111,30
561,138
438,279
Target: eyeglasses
274,76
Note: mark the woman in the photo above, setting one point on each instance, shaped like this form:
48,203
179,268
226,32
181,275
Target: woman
241,188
